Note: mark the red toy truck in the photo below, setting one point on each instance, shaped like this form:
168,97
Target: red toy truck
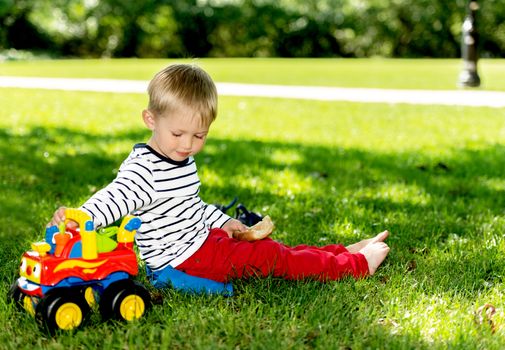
61,278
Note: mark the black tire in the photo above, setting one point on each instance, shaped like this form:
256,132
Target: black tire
124,300
22,301
16,296
62,309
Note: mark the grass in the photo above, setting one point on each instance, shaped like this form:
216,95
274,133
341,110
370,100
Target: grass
373,73
325,172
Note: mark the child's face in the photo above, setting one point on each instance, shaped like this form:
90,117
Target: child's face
177,136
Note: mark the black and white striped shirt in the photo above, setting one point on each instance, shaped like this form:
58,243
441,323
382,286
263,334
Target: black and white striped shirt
164,194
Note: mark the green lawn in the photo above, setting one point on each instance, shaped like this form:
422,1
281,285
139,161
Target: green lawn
373,73
324,171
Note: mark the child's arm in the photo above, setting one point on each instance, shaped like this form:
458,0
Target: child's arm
218,219
59,217
131,189
233,225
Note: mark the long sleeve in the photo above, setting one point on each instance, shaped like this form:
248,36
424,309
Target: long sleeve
164,194
215,217
132,189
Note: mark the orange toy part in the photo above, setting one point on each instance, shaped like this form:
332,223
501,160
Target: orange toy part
61,240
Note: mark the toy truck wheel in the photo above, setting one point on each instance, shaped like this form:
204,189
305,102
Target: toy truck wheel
22,301
62,310
16,296
125,300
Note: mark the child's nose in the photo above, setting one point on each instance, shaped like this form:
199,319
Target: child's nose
187,142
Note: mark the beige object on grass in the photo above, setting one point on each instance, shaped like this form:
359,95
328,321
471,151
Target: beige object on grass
256,232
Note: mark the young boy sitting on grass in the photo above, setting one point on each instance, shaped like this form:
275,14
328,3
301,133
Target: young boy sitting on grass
158,182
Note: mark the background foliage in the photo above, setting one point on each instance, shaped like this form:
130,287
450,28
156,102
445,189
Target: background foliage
247,28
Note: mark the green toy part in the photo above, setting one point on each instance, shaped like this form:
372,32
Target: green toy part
104,242
108,231
62,227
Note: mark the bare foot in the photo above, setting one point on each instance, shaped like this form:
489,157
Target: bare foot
375,253
356,247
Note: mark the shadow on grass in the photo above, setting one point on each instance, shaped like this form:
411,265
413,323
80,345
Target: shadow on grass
425,202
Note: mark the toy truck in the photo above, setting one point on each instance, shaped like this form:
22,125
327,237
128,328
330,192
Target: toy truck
73,269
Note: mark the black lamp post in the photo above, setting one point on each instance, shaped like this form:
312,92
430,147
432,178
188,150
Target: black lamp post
469,76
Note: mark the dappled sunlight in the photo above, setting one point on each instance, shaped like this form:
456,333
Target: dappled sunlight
72,110
492,229
341,230
437,319
286,157
400,128
337,178
288,183
210,178
285,183
398,193
494,184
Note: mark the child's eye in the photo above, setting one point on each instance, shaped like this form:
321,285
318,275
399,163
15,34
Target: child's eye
200,137
176,135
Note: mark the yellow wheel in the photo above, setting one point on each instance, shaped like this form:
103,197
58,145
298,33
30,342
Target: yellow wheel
124,300
132,307
28,305
62,309
68,316
89,295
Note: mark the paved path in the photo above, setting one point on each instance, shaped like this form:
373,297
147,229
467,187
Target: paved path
494,99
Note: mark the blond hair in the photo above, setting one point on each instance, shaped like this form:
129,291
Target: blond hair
183,85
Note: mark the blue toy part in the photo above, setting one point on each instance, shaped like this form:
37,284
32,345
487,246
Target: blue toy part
183,282
77,282
89,226
76,251
50,232
133,224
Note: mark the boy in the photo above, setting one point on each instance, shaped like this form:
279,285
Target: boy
159,183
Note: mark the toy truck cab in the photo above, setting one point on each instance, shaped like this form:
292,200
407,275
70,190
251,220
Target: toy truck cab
74,268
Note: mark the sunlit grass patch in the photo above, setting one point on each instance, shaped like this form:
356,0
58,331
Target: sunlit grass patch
373,73
397,194
326,172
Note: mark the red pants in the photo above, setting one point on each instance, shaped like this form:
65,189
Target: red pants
222,258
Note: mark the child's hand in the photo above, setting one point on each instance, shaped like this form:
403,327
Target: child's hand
232,226
59,217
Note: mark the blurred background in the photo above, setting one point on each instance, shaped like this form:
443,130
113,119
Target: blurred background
245,28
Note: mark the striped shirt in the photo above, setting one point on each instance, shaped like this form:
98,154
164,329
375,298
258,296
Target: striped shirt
165,195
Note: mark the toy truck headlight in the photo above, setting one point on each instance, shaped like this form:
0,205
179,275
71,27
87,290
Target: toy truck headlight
22,267
36,271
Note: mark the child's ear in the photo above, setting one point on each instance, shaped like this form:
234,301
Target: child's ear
148,118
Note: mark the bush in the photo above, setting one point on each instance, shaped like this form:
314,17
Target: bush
248,28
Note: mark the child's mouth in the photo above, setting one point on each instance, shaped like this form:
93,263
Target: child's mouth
183,154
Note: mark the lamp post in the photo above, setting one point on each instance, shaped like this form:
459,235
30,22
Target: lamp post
469,76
